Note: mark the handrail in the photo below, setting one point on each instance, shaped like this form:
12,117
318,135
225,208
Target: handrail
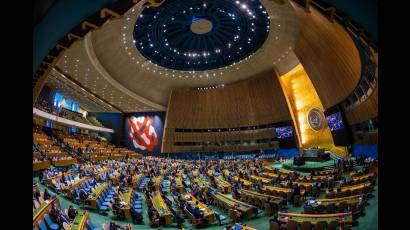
65,121
315,215
39,211
339,199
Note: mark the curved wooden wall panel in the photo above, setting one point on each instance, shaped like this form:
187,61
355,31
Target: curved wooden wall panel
255,101
226,136
328,55
223,148
364,111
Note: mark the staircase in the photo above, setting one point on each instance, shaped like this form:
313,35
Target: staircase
336,157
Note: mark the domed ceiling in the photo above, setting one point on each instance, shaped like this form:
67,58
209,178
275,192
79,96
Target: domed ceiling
198,35
184,44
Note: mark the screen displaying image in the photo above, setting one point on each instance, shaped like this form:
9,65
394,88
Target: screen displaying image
284,132
335,121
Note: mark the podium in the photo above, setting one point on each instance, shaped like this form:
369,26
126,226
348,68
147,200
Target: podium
315,154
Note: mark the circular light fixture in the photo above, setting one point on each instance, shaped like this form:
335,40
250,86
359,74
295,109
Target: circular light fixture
201,26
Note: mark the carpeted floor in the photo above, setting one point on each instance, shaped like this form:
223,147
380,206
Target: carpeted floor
367,222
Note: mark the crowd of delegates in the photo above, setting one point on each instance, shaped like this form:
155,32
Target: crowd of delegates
40,197
122,174
59,111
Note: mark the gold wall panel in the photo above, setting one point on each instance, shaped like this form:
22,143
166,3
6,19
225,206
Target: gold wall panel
302,97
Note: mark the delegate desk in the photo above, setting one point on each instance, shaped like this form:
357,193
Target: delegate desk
161,207
245,182
97,175
65,162
49,181
369,176
136,180
92,198
268,168
41,211
226,202
80,221
202,184
68,191
126,198
350,200
285,171
223,185
270,175
304,184
353,188
41,165
61,154
262,179
209,215
277,189
98,158
178,184
341,218
157,182
279,201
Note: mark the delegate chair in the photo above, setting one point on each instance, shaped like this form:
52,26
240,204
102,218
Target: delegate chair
333,225
50,223
321,225
91,226
273,225
42,225
102,208
291,225
306,225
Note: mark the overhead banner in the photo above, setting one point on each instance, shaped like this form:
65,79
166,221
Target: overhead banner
143,132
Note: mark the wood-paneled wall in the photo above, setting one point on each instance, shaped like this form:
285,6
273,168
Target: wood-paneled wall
328,55
367,138
237,148
255,101
365,110
226,136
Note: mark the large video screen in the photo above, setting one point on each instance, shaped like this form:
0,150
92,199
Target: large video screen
284,132
335,121
143,131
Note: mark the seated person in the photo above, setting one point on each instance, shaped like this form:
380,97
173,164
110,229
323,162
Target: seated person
137,217
194,211
46,195
36,194
57,215
83,194
72,212
153,216
114,226
117,206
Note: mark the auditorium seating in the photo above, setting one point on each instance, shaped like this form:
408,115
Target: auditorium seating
256,187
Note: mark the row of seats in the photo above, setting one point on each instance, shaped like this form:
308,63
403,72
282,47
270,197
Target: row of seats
50,224
136,203
86,186
240,157
105,199
142,183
